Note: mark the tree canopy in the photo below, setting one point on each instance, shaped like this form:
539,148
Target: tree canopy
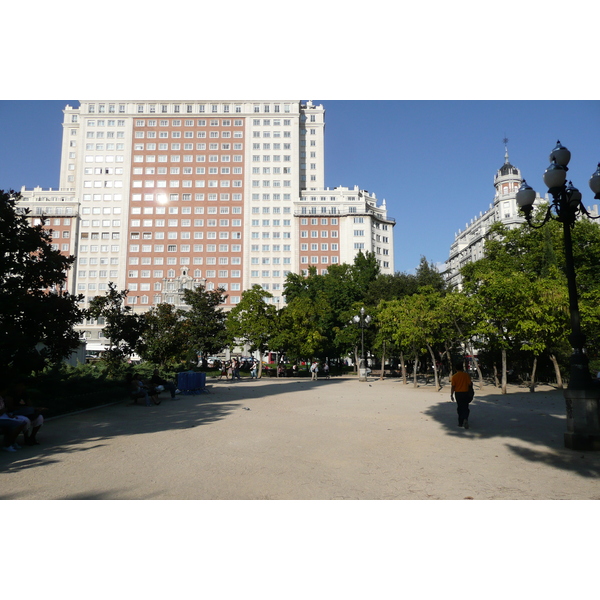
37,316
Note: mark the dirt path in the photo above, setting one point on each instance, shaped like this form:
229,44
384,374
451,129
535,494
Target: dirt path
296,439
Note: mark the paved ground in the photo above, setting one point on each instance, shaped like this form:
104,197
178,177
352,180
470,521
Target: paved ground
296,439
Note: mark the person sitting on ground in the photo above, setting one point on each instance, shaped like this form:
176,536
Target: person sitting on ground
157,380
18,405
10,428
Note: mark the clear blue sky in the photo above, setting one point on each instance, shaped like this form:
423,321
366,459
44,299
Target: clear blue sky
433,161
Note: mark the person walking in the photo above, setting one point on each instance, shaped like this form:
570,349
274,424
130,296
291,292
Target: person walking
314,371
461,388
254,369
235,369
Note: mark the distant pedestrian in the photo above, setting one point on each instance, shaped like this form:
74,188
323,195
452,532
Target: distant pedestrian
224,370
235,368
326,370
461,389
254,369
314,371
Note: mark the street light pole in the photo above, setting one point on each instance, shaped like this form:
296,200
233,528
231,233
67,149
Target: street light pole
582,395
362,321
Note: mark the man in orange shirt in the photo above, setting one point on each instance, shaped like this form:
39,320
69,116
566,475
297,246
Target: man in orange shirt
461,389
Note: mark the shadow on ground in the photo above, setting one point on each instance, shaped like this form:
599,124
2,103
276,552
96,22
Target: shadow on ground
537,418
92,429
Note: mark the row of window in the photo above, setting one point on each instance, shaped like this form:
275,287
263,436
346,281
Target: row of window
95,248
101,261
175,183
158,274
269,274
315,234
269,196
186,122
102,147
172,287
163,198
267,122
105,235
163,158
173,235
151,146
276,260
315,247
187,170
186,223
187,210
186,108
109,158
171,299
158,260
268,248
104,123
315,221
95,273
315,260
177,134
160,248
98,197
99,135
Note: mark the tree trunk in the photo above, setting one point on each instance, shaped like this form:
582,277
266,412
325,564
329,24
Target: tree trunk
496,382
403,367
382,361
260,359
415,367
559,383
438,387
479,374
503,370
532,382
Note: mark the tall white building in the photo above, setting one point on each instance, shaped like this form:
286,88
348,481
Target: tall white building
160,195
469,243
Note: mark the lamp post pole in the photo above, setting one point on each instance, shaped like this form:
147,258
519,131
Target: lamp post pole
362,320
582,395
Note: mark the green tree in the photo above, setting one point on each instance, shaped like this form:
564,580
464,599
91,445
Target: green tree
34,308
390,287
300,333
205,321
500,296
123,328
165,338
427,275
253,321
544,323
399,319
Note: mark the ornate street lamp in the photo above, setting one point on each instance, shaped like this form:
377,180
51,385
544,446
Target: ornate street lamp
362,320
582,395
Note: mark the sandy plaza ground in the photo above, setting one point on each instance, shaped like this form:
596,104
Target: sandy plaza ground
293,439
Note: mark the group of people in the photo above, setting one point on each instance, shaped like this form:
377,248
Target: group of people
17,417
315,368
149,391
231,368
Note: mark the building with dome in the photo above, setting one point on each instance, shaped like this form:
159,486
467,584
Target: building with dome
468,245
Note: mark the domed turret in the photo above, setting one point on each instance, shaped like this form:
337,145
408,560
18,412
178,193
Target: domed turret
508,177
